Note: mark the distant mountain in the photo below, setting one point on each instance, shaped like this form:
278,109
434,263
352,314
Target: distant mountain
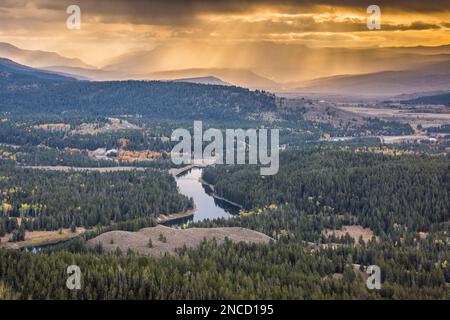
67,72
369,72
204,80
423,78
256,65
88,74
241,78
285,64
38,59
12,73
436,50
440,99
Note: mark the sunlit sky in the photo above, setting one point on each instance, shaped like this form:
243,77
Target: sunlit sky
113,27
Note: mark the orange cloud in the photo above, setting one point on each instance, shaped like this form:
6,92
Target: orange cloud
114,27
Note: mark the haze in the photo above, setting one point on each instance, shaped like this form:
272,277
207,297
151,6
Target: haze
282,41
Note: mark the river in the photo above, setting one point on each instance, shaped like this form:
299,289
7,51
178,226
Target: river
207,207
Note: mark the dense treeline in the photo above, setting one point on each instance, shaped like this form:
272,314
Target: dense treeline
286,223
51,200
136,140
441,129
438,99
43,156
8,225
383,192
229,271
172,100
17,133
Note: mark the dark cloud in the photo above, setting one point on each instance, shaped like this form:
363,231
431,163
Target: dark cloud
178,12
179,15
13,3
309,24
416,25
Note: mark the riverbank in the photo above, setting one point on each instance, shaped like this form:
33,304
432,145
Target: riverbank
175,172
82,169
209,206
215,196
162,219
178,171
34,239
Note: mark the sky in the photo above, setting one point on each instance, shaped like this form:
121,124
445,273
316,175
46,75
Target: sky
110,28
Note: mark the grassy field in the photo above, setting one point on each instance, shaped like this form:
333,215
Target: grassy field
40,238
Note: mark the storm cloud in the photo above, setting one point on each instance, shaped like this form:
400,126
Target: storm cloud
178,12
114,27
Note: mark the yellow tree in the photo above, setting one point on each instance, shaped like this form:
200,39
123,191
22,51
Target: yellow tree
6,207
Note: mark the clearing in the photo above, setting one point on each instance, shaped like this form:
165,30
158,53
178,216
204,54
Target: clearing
353,231
41,238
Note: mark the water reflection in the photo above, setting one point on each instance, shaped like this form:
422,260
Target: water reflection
207,207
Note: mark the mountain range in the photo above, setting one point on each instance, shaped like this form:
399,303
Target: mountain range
426,77
38,59
284,64
369,72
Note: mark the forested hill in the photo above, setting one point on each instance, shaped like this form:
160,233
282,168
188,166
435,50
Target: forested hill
25,90
443,99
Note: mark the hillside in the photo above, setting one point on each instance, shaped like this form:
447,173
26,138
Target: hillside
14,73
88,73
26,90
239,77
424,78
439,99
282,63
172,239
204,80
37,58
